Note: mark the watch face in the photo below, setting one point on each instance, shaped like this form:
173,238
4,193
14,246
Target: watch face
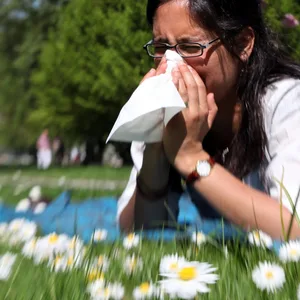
203,168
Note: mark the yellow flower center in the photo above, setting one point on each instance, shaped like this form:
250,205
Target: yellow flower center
174,266
269,275
95,274
144,287
293,252
70,261
200,236
100,260
53,238
256,234
130,237
187,273
57,260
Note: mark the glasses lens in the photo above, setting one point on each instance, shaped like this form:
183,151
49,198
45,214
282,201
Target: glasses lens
187,49
157,49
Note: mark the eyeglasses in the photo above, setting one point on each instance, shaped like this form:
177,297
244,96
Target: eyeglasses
186,50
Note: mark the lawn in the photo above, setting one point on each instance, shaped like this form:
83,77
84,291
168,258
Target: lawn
234,261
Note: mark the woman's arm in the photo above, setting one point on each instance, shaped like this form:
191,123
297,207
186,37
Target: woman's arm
147,204
239,203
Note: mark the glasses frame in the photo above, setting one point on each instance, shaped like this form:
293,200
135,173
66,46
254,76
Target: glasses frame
202,46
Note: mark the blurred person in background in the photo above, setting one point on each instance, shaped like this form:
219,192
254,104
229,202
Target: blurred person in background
44,154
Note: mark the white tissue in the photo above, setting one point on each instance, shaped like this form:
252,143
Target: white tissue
152,105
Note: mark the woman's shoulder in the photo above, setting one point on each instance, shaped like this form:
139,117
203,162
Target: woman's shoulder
281,98
281,89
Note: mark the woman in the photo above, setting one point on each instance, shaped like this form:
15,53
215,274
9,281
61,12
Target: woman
243,112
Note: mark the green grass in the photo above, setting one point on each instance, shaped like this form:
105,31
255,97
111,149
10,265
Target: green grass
72,172
29,281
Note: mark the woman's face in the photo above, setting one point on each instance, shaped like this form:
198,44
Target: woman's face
217,68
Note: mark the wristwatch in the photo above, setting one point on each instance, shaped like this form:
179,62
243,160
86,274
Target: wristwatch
202,169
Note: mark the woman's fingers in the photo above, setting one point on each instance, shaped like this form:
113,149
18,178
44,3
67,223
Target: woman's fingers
162,67
151,73
212,109
191,87
202,93
180,85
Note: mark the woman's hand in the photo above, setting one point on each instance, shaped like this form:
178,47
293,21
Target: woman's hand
185,132
161,69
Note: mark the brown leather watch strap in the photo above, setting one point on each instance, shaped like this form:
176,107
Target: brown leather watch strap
194,175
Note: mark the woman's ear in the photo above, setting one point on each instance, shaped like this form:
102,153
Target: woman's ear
245,43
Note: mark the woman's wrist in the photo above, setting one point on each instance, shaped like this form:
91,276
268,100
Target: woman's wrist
186,164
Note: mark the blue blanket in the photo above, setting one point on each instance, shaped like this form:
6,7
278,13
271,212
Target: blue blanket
83,218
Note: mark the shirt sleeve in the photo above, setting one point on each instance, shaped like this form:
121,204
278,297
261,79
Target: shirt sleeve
282,124
137,153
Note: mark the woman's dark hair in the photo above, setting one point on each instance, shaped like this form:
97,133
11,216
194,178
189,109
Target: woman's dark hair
267,64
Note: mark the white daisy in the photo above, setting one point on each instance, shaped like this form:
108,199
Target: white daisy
28,249
290,251
190,279
147,290
131,240
49,246
268,276
298,294
259,238
3,230
199,238
58,264
101,262
15,225
171,263
17,175
111,291
6,263
133,264
94,273
40,207
23,205
61,181
99,235
75,247
27,231
35,193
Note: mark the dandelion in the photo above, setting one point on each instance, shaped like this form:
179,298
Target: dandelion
6,263
146,291
99,235
171,263
259,238
199,238
268,276
131,240
133,264
189,280
290,251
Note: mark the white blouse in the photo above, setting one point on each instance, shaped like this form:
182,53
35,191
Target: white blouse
281,108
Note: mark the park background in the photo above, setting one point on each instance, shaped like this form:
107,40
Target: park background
70,66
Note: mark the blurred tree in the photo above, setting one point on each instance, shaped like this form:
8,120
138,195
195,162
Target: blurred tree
283,17
90,66
24,27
